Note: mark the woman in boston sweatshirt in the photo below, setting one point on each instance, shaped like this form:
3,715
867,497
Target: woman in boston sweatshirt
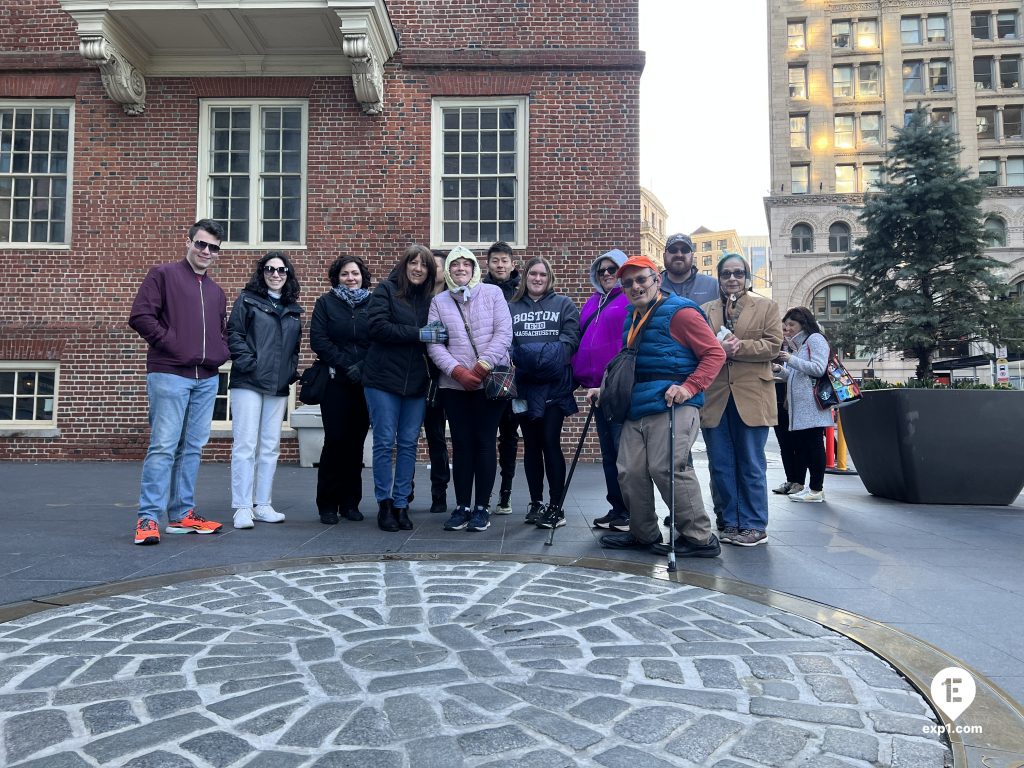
545,335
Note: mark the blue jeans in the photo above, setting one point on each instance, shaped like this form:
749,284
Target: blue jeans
738,470
608,438
395,419
180,410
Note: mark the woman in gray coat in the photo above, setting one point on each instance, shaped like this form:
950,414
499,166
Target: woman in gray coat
804,355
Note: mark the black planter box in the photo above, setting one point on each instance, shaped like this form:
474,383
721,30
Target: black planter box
938,446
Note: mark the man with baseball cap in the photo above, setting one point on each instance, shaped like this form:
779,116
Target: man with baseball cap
681,277
677,357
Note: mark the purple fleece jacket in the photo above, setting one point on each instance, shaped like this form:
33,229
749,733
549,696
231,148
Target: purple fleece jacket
488,318
604,316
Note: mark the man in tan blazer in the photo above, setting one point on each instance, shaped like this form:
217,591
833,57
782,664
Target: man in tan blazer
740,404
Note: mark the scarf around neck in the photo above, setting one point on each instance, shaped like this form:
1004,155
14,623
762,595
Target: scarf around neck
351,296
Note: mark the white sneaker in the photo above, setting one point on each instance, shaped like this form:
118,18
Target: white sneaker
243,518
808,495
265,513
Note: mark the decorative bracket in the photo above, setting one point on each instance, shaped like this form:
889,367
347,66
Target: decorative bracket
123,81
367,72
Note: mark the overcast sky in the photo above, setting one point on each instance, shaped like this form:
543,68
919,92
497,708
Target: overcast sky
704,112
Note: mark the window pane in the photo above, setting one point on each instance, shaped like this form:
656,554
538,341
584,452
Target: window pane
1012,118
980,29
800,174
869,79
910,30
795,34
1006,25
842,81
867,34
840,34
1009,72
798,131
988,170
1015,171
871,129
936,29
797,83
843,131
983,72
846,179
912,82
938,75
986,122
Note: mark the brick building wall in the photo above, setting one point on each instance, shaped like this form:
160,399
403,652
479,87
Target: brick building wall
367,193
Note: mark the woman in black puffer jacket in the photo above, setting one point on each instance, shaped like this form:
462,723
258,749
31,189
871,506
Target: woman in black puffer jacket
339,334
264,332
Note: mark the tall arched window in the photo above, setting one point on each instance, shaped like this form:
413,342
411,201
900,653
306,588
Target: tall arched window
802,239
830,305
995,232
839,238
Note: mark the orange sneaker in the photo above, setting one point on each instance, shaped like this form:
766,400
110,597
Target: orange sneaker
193,523
147,531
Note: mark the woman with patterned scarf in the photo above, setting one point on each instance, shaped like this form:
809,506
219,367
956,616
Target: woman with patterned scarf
339,335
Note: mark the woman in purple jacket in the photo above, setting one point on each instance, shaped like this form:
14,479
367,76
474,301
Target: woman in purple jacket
602,320
479,336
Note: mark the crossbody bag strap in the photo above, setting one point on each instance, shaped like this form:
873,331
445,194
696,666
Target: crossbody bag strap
466,326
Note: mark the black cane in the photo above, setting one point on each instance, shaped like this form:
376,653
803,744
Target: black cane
672,488
572,468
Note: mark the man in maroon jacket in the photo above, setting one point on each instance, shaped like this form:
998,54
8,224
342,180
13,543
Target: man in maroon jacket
181,313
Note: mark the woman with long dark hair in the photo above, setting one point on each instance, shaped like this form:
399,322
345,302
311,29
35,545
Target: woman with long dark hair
804,356
339,334
264,332
395,379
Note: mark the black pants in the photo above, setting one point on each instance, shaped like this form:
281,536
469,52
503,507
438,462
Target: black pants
542,452
508,446
473,421
437,450
791,461
810,450
339,483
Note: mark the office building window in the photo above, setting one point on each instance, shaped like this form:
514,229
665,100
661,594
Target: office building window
846,179
938,75
28,394
912,82
797,35
1006,25
1013,114
983,73
35,155
798,131
802,239
839,238
841,34
1009,72
867,34
830,306
800,176
252,170
1015,171
988,170
871,176
910,30
842,133
705,245
995,232
721,245
842,81
798,82
981,28
868,79
937,28
871,129
986,122
479,171
942,117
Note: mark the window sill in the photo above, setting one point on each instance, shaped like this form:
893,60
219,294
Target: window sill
29,431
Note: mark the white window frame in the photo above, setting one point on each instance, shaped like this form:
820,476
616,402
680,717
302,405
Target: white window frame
906,22
223,427
65,244
35,366
800,133
204,203
522,106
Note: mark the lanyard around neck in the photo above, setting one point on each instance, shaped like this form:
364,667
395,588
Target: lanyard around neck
638,324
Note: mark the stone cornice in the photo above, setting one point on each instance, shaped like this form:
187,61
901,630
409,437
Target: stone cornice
800,201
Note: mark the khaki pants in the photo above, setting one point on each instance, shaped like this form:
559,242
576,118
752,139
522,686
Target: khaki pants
645,456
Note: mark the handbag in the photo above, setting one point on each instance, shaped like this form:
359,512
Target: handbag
617,385
313,383
500,382
835,388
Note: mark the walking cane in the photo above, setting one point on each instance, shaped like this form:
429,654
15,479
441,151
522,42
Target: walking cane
572,468
672,488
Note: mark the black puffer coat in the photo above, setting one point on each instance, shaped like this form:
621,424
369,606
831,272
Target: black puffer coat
340,333
397,359
264,343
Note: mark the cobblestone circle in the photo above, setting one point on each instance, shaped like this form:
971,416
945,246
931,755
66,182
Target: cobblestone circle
447,664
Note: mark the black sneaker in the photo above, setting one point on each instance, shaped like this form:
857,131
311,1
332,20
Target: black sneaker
480,520
329,517
459,519
353,514
667,521
685,547
727,533
620,524
624,541
533,512
606,521
438,505
552,517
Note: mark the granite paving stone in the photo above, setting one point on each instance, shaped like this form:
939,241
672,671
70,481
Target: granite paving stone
620,670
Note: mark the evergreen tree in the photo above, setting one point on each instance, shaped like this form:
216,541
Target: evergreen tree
924,280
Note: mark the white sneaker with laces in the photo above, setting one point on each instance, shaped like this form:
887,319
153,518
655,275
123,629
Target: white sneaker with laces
265,513
808,495
243,518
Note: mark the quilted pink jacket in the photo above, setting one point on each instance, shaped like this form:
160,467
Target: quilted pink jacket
488,318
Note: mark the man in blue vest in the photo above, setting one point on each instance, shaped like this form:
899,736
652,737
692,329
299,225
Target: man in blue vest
678,356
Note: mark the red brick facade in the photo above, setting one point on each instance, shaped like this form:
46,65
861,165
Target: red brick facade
368,181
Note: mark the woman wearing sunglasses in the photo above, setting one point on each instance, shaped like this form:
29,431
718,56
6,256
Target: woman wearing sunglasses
740,404
264,332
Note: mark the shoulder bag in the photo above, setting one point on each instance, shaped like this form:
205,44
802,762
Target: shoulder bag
835,387
313,383
500,383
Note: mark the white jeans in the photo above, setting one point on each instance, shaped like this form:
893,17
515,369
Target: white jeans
256,429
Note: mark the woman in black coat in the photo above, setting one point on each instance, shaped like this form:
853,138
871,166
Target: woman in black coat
339,334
